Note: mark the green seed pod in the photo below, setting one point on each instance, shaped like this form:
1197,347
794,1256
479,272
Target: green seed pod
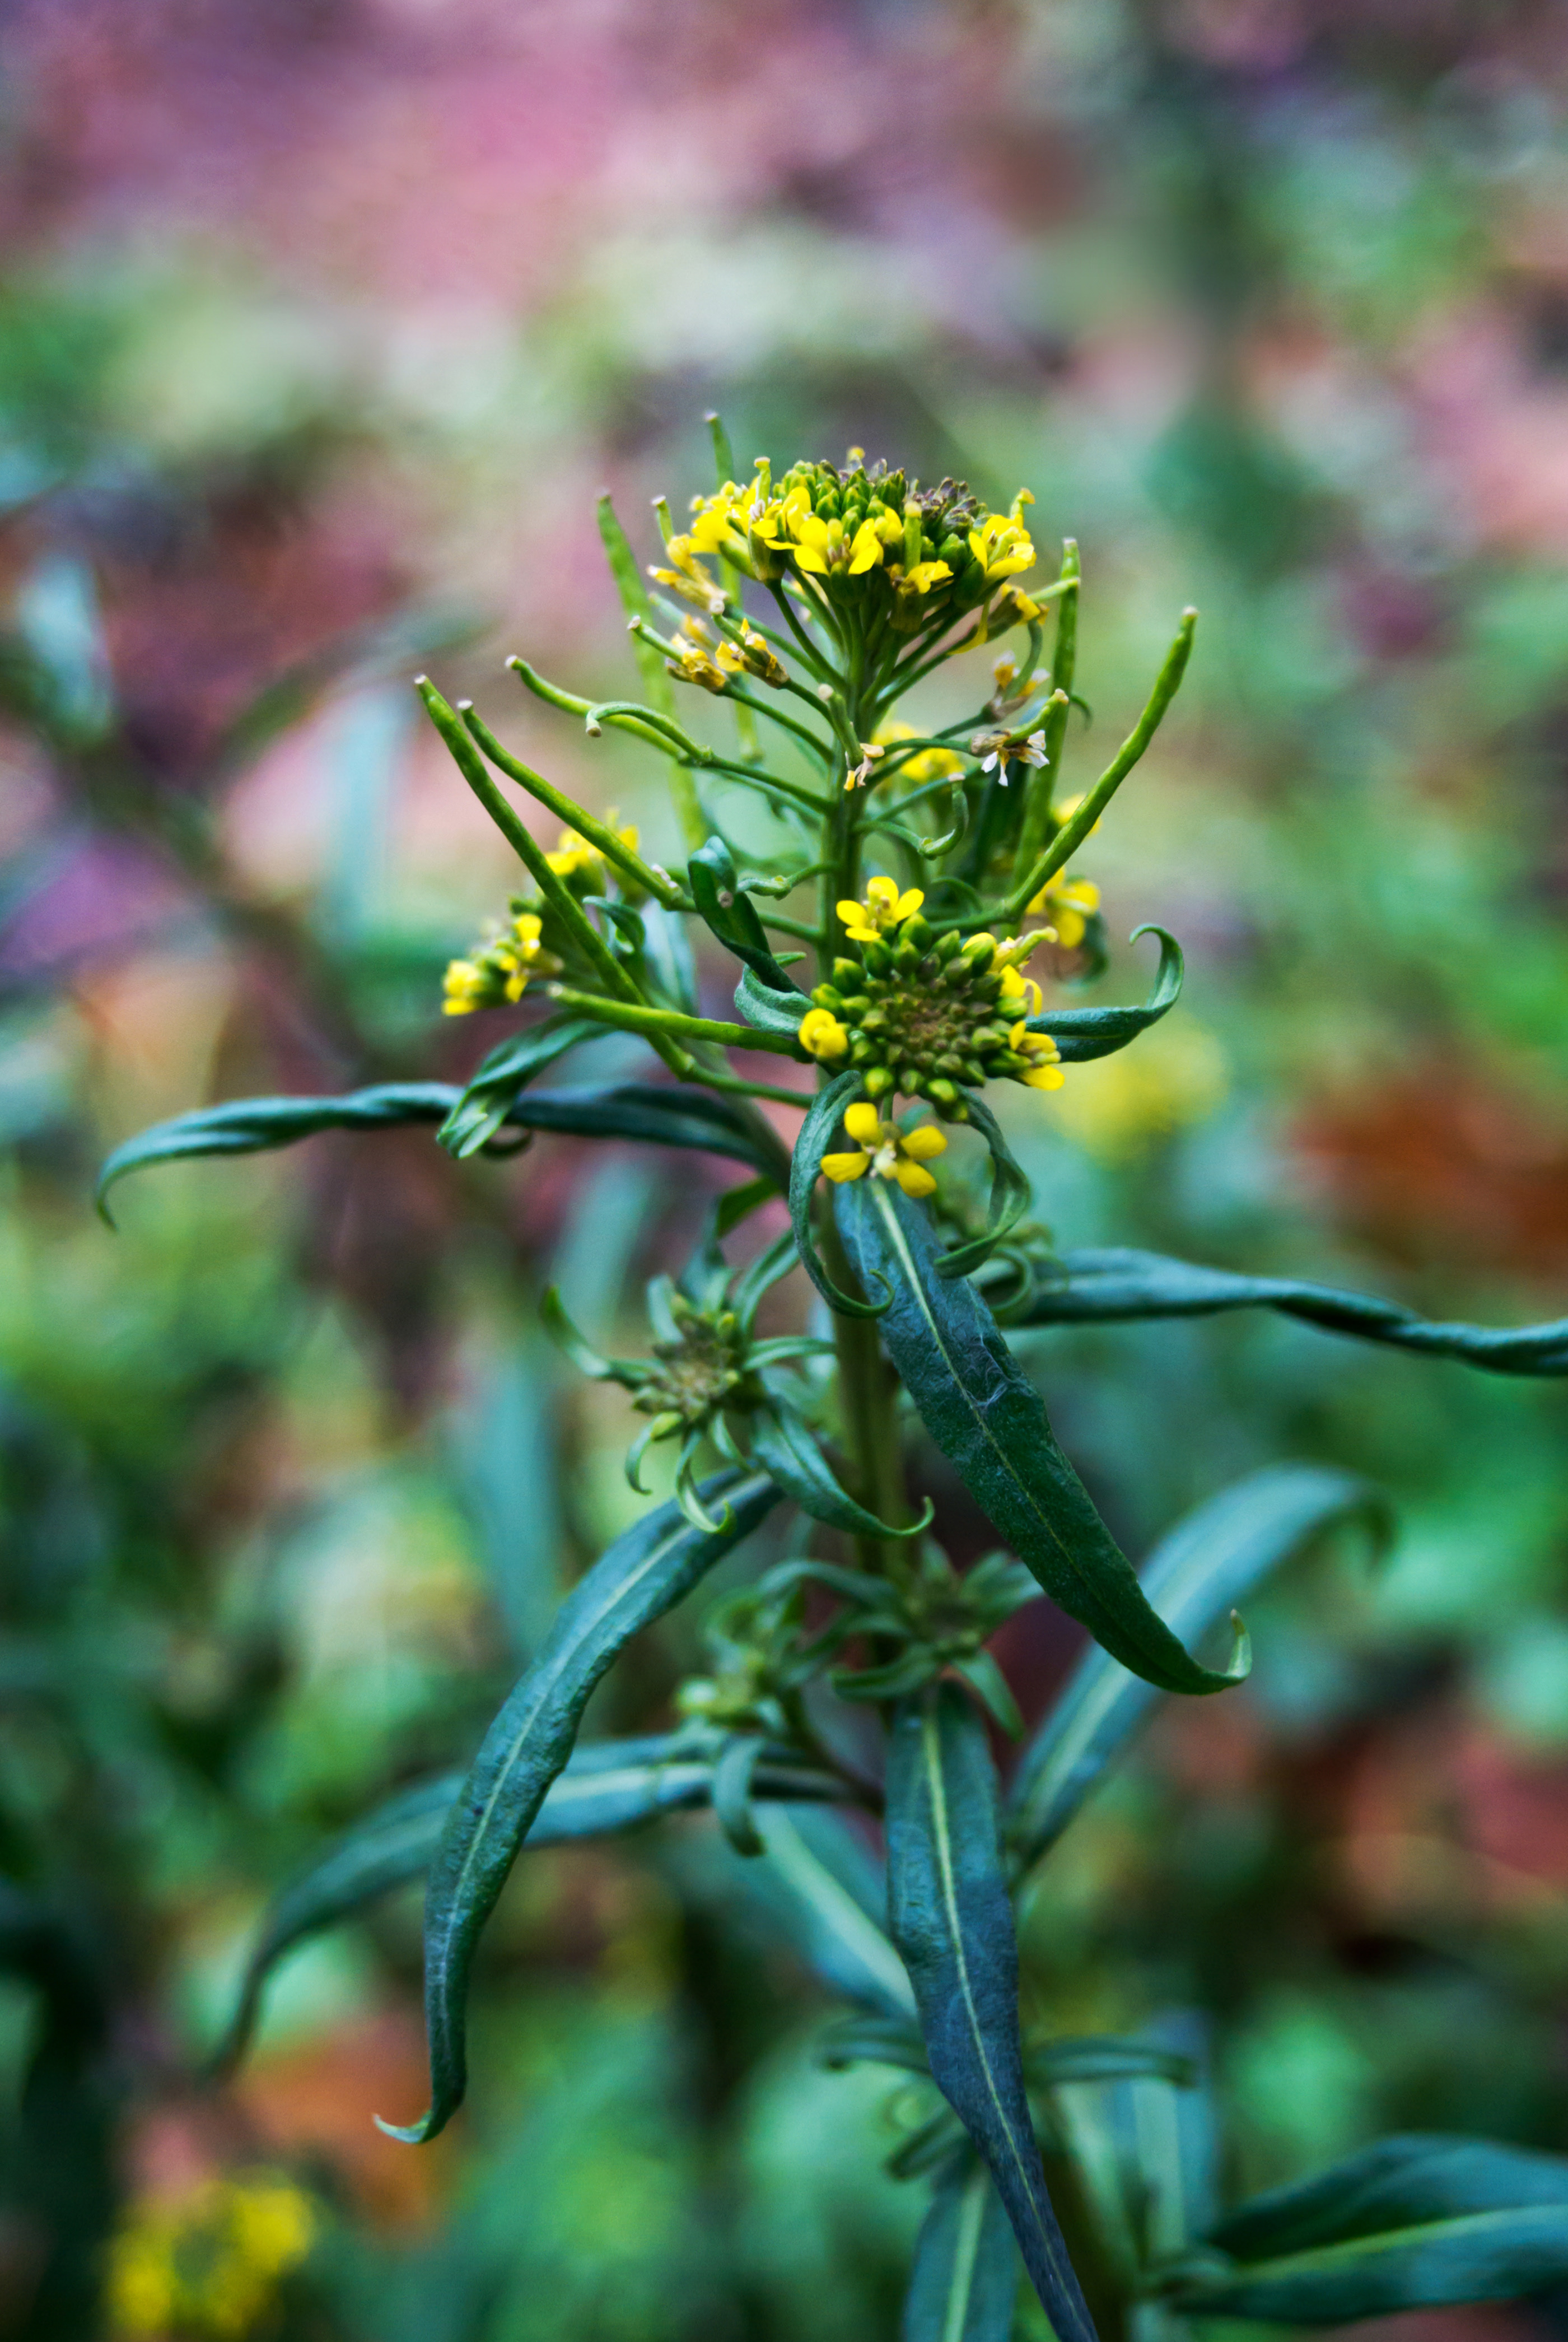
909,1079
979,952
876,1020
824,996
952,548
949,946
941,1093
917,931
847,974
906,956
878,1081
879,960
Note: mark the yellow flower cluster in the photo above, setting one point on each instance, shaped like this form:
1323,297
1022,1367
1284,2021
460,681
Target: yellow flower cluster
884,1148
938,546
211,2263
501,970
1068,904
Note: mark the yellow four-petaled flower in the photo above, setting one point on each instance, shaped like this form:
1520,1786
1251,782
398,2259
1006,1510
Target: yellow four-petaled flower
882,908
883,1148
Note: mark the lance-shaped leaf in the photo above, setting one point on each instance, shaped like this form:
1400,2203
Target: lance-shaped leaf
1408,2223
813,1140
607,1785
964,2279
1193,1578
1104,1285
823,1890
1081,1033
790,1457
732,916
508,1068
951,1921
991,1425
666,1116
645,1574
769,1010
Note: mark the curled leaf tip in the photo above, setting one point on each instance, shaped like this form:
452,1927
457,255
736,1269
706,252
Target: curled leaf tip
1240,1664
414,2134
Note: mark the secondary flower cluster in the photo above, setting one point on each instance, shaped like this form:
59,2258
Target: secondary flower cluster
861,532
925,1015
211,2262
499,969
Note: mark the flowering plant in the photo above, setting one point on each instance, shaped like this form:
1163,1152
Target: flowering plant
814,605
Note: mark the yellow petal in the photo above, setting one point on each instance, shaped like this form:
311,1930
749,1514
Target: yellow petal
840,1167
806,556
908,902
865,548
914,1180
923,1143
864,1123
1043,1077
808,529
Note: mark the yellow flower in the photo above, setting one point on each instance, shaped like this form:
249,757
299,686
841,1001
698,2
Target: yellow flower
927,574
211,2263
692,663
1002,545
1021,992
464,987
821,545
823,1035
502,971
926,763
688,578
576,855
884,907
883,1148
1067,904
1044,1057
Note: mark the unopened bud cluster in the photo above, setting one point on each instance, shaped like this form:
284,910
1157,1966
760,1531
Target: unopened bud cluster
699,1371
929,1016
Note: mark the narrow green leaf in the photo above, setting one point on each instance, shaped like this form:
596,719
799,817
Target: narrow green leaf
666,1116
1206,1564
953,1924
732,1792
990,1424
965,2281
791,1459
815,1139
770,1011
509,1067
829,1892
1479,2256
1103,1286
1081,1033
645,1574
607,1786
732,916
1405,2181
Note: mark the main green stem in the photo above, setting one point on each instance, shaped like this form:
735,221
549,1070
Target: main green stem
868,1386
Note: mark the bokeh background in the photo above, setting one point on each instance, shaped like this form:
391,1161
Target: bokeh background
321,325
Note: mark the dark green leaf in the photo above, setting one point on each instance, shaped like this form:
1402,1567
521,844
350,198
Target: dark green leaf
769,1010
790,1457
1408,2223
645,1574
1010,1196
964,2280
508,1068
953,1924
1193,1578
607,1785
732,916
1402,2182
1083,1033
990,1424
1101,1286
666,1116
813,1140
